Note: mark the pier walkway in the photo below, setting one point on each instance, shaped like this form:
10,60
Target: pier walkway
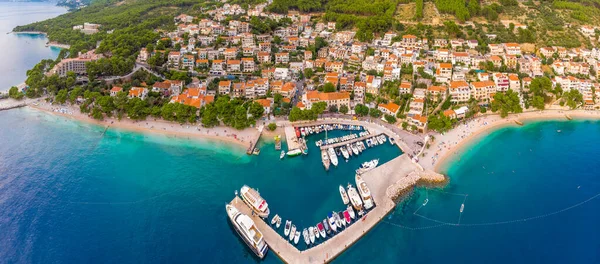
290,138
344,143
385,182
7,104
401,138
253,143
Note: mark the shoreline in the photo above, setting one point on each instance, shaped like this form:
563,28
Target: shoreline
159,127
453,143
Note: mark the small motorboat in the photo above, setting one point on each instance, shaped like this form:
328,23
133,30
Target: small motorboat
311,234
361,212
326,226
349,149
282,154
292,232
341,218
425,202
347,217
350,210
331,221
344,152
321,229
288,225
276,221
297,237
316,231
305,236
344,195
354,149
462,207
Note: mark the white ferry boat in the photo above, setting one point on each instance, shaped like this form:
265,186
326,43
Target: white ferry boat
364,191
252,198
247,230
332,157
354,197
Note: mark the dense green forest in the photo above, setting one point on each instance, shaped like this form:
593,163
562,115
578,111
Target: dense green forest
369,16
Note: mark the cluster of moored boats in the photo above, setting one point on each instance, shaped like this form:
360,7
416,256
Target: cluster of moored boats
328,141
358,200
309,130
330,156
333,223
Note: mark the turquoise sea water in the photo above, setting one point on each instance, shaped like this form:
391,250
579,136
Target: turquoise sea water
69,194
21,52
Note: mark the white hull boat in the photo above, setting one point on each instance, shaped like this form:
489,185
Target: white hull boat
297,237
247,230
332,157
354,198
288,226
311,234
364,191
344,152
305,236
253,199
351,212
344,195
292,232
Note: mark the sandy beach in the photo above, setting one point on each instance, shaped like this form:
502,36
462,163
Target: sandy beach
241,138
451,144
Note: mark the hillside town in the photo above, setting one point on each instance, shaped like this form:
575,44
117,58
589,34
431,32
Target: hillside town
402,79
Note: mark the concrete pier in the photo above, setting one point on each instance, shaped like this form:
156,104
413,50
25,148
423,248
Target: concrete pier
7,104
291,139
253,143
385,182
344,143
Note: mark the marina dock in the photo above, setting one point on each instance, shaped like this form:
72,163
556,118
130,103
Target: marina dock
386,183
253,143
344,143
291,139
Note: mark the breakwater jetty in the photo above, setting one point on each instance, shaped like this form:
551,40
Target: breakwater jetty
8,104
386,183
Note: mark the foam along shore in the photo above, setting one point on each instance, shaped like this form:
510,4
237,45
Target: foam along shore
450,145
186,131
58,45
27,33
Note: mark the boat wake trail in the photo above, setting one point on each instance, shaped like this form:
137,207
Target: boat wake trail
458,224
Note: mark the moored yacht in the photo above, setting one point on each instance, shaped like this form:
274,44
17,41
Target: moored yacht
288,226
326,226
311,234
354,149
364,191
367,166
354,197
331,221
247,230
253,199
325,159
292,232
321,229
332,157
305,236
351,212
344,152
297,237
344,195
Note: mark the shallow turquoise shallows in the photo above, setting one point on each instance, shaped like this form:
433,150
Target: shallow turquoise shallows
20,52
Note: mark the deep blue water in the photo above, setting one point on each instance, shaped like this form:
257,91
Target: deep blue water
21,52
